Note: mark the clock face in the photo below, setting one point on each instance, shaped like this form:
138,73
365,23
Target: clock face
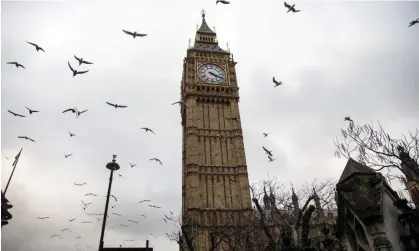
212,73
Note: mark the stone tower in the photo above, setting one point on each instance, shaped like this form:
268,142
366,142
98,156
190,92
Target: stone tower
215,184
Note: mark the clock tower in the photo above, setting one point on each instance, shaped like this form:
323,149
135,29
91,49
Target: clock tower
215,184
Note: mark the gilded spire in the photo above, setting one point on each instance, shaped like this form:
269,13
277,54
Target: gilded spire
205,29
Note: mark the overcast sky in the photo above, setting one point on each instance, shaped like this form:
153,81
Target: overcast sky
336,59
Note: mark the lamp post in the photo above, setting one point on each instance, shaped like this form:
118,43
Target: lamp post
113,166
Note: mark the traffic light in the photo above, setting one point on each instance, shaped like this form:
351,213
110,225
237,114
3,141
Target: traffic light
5,214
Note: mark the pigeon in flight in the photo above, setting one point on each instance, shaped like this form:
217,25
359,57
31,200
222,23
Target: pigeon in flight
86,222
66,229
67,155
42,218
113,206
147,129
81,61
290,8
73,110
222,1
270,158
265,134
181,103
72,134
37,47
116,214
80,184
267,151
87,194
78,237
75,72
85,204
134,34
414,22
30,110
27,138
276,82
78,113
143,216
113,196
121,176
71,220
16,114
132,165
133,221
144,201
98,219
123,225
348,119
16,64
156,159
55,235
154,206
116,105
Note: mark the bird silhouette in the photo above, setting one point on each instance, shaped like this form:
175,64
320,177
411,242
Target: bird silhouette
414,22
81,61
71,220
86,222
270,158
134,34
37,47
30,110
98,219
222,1
67,155
113,206
73,110
78,237
156,159
143,216
267,151
276,82
133,221
72,134
75,72
181,103
290,8
132,165
147,129
16,64
348,119
78,113
25,137
116,214
16,114
154,206
116,105
121,176
265,134
85,204
144,201
43,218
87,194
7,158
80,184
66,229
55,235
113,196
123,225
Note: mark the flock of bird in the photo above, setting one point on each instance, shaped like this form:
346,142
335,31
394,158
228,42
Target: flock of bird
85,205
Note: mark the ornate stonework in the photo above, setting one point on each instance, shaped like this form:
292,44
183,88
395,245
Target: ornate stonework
215,185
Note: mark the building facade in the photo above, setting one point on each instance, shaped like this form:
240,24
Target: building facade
215,184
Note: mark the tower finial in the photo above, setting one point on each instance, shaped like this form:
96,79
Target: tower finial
228,48
203,13
189,45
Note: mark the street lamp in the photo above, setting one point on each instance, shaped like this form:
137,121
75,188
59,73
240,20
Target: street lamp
113,166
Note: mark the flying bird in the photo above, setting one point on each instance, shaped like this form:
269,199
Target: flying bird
17,64
414,22
7,158
24,137
116,214
143,216
144,201
72,134
75,72
181,103
290,8
87,194
134,34
147,129
67,155
133,221
132,165
222,1
37,47
113,206
80,184
276,82
116,105
267,151
86,222
121,176
265,134
66,229
30,110
348,119
78,113
55,235
78,237
113,196
154,206
71,220
81,61
156,159
270,159
42,218
73,110
98,219
16,114
86,204
123,225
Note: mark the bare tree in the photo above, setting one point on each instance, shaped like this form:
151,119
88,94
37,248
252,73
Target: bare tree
374,147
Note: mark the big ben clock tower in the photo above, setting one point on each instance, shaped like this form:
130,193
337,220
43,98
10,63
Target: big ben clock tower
215,184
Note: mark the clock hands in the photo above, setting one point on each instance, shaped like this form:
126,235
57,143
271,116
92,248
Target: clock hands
215,75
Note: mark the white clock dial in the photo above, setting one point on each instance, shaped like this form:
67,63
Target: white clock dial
212,73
